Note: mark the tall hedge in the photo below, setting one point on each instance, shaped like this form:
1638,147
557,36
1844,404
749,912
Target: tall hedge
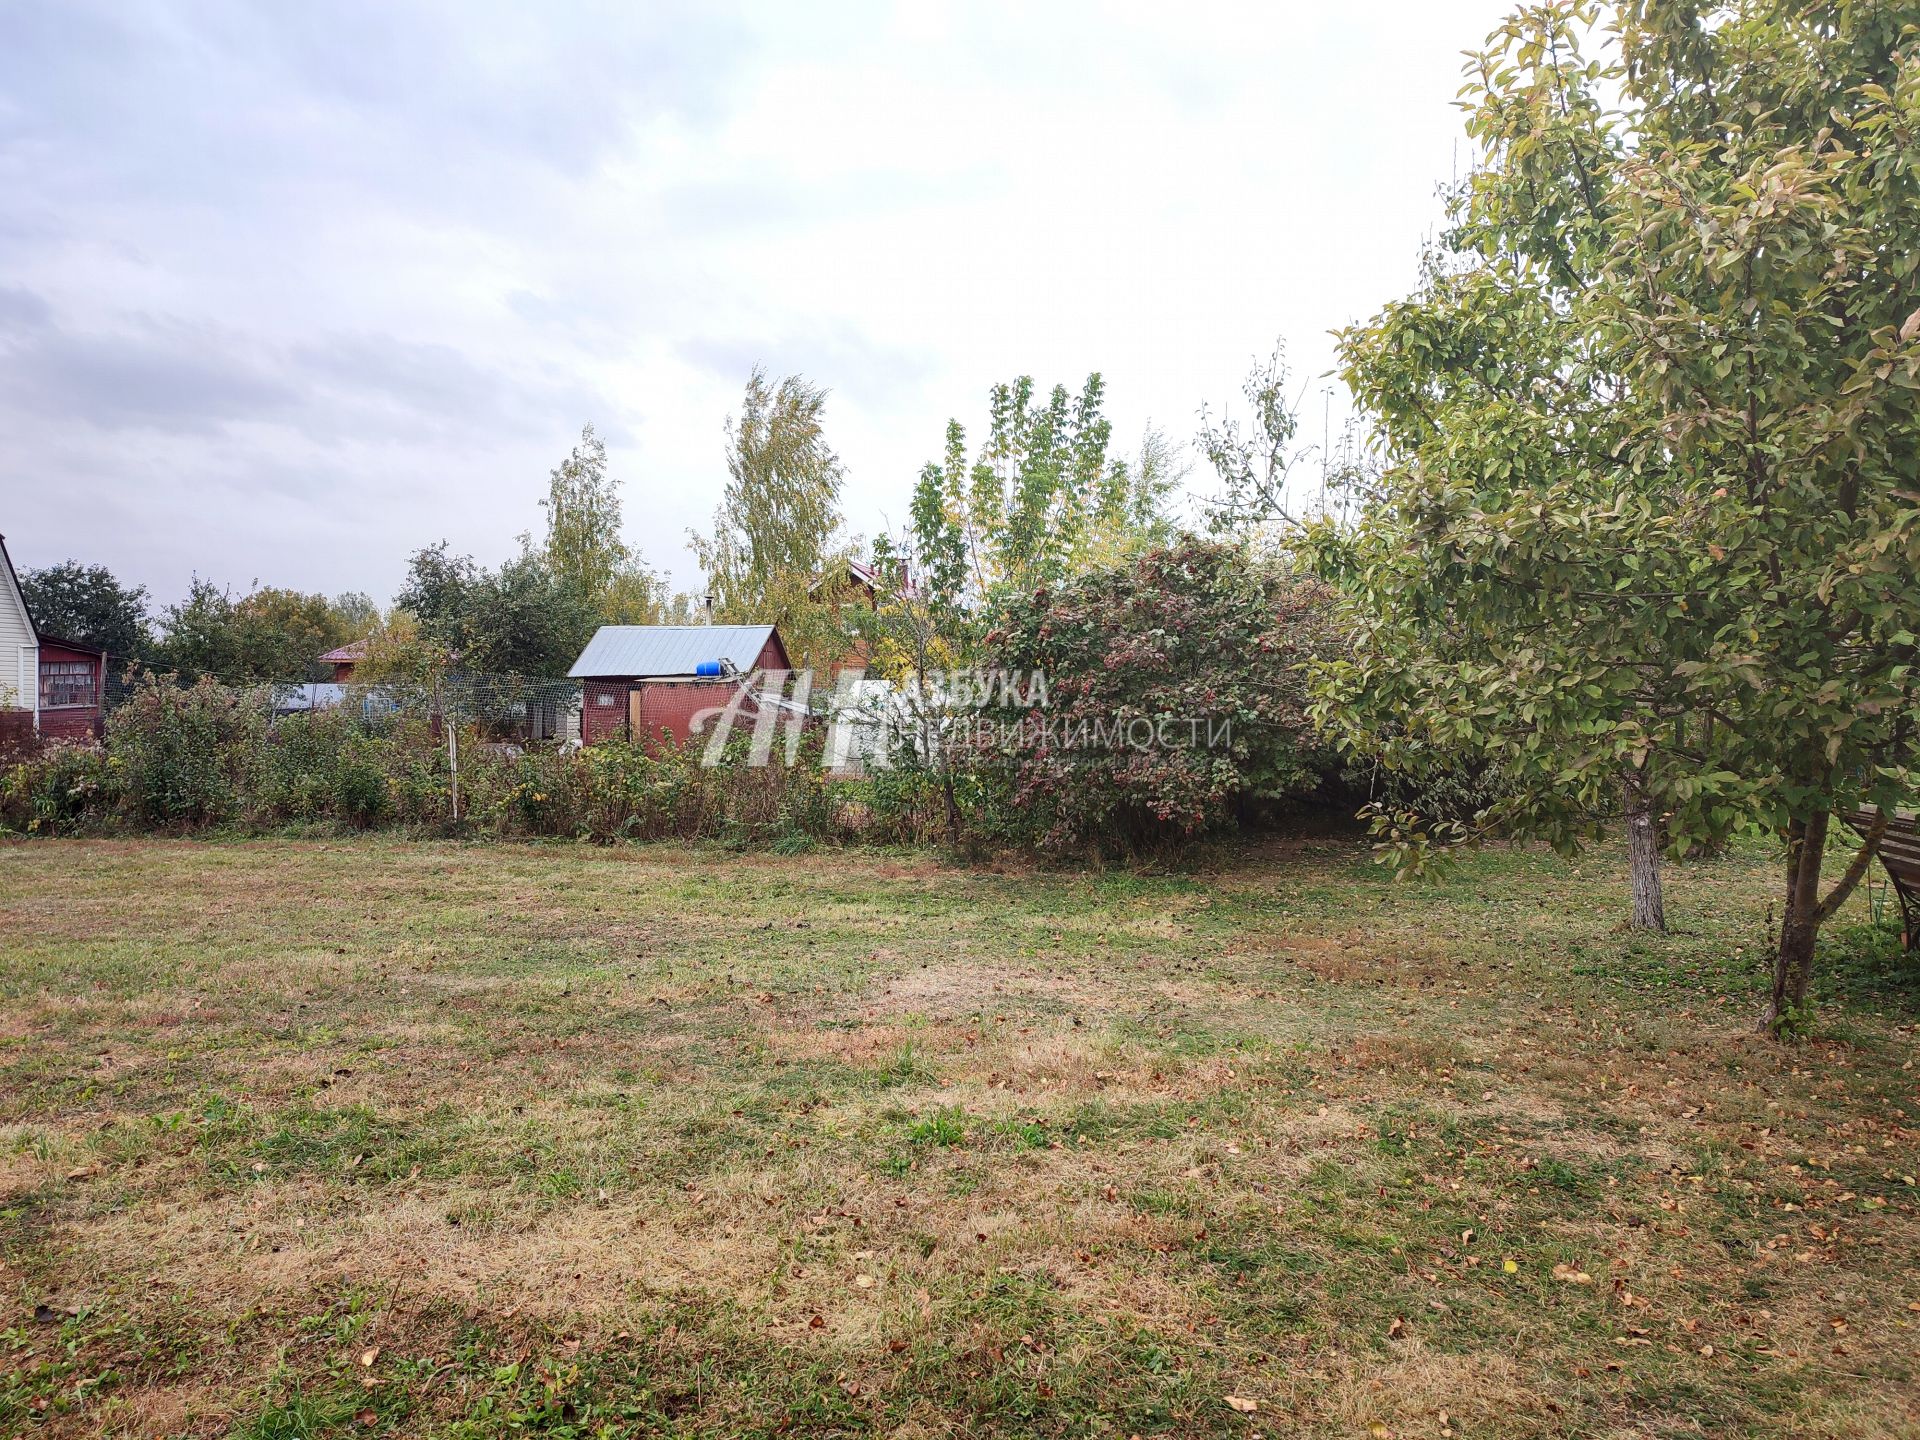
1174,698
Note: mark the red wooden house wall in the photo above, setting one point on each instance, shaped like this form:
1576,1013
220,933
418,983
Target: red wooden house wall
72,677
661,711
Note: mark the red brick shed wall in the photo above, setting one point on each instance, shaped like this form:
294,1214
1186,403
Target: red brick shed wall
65,724
16,734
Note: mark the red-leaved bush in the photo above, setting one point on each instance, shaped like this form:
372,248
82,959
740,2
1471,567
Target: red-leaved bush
1174,698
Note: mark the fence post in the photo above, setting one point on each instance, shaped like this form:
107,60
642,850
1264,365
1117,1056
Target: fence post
453,762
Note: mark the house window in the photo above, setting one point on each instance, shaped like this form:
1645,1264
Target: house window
603,698
65,682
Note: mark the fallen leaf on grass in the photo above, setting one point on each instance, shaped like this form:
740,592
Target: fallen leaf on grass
1571,1275
1242,1404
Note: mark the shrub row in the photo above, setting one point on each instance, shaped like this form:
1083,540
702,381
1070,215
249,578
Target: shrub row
185,758
1176,703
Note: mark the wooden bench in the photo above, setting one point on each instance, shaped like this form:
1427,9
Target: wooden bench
1900,854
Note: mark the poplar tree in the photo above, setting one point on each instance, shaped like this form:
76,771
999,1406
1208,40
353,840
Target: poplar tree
775,531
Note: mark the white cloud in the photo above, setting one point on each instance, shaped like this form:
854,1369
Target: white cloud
294,291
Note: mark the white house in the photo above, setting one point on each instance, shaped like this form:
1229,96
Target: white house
19,645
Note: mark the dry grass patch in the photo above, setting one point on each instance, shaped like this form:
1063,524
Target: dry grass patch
649,1141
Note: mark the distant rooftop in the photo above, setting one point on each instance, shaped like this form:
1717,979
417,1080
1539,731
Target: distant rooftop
348,653
659,650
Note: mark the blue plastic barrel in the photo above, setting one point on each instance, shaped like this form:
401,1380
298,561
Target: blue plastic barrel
707,667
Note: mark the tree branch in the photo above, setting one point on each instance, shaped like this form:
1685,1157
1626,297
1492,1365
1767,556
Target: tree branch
1844,886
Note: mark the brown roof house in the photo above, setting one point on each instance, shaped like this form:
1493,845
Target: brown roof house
344,658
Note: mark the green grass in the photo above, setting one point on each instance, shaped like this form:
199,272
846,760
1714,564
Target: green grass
342,1138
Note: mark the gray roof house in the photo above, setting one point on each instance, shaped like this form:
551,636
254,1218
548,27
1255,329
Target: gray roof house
662,652
654,681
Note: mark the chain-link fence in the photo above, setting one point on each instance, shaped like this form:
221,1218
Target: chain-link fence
515,709
501,708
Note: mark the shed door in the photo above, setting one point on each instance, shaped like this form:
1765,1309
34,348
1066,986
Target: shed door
636,714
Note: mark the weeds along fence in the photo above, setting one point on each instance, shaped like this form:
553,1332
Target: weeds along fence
494,755
498,708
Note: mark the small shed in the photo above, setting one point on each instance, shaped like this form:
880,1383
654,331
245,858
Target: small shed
650,682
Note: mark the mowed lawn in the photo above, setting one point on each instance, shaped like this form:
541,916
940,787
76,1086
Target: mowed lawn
362,1138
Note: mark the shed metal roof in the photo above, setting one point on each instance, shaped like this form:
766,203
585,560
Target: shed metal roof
649,650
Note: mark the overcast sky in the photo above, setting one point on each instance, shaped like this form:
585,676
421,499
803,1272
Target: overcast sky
287,291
